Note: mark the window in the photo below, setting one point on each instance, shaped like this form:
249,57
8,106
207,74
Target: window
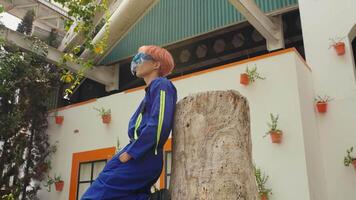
165,177
168,167
86,166
88,172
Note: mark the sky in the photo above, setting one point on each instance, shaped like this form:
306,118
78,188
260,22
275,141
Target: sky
9,20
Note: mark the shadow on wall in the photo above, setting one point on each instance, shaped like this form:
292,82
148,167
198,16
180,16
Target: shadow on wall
353,44
352,39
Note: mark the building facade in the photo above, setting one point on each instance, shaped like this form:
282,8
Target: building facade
212,45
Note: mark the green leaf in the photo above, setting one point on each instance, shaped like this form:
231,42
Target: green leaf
2,8
68,91
76,49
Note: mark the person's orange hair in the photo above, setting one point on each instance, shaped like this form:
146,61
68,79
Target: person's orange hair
162,56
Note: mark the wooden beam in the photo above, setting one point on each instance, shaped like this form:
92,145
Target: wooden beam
270,28
106,75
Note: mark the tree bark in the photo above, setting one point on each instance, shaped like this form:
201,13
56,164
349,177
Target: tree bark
212,148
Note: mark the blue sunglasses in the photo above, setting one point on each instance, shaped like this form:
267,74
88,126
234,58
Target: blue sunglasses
138,59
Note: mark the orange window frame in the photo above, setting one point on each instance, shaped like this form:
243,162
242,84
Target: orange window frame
167,147
86,156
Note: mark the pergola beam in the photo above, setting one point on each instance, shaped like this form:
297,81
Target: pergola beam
270,28
26,5
107,75
49,17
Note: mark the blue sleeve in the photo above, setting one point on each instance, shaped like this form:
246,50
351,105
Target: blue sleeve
131,126
160,117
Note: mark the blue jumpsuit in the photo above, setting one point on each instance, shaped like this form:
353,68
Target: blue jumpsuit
148,133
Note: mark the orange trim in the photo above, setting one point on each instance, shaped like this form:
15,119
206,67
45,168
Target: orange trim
233,64
134,89
198,73
304,61
167,147
86,156
73,105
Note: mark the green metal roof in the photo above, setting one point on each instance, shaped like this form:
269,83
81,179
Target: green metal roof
170,21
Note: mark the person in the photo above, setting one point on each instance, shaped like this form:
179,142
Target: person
130,174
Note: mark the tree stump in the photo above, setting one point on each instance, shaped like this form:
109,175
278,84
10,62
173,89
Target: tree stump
212,148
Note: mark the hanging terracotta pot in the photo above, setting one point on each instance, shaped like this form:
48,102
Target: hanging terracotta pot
106,119
339,48
59,119
264,196
59,185
244,79
322,107
354,162
276,136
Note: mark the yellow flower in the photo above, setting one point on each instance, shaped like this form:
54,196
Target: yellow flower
98,49
67,78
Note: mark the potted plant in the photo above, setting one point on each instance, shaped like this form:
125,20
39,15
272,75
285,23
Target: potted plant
59,183
49,183
338,45
274,132
58,118
250,76
322,103
105,114
349,159
261,180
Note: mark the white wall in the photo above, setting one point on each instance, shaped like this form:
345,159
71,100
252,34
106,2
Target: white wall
93,134
333,75
314,162
279,93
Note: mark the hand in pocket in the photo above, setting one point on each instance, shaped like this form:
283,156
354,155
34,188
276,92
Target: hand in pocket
125,157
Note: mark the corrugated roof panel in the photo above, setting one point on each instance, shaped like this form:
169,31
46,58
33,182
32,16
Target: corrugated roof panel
170,21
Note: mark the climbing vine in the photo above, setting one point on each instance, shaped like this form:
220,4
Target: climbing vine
27,82
37,45
82,13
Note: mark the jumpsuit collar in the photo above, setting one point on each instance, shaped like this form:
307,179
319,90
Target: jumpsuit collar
148,87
